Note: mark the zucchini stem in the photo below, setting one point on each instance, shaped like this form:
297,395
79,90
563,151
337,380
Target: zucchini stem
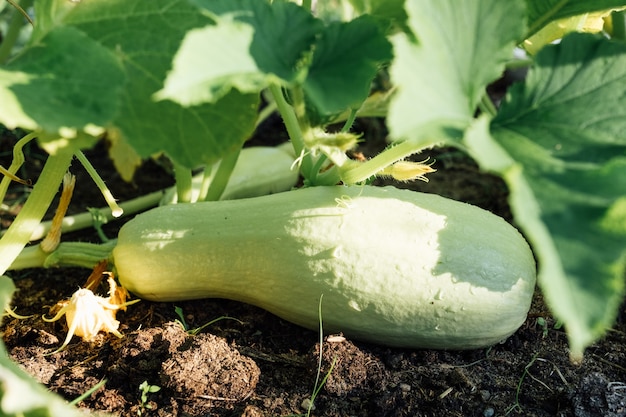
13,32
182,176
358,172
18,160
487,106
67,254
83,220
294,130
116,210
221,177
35,207
349,121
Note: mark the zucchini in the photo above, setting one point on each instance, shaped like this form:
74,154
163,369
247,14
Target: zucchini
259,170
395,267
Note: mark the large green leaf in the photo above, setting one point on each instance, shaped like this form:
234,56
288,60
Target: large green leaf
441,76
251,44
347,56
560,142
283,31
146,35
391,11
254,43
47,88
211,61
81,55
542,12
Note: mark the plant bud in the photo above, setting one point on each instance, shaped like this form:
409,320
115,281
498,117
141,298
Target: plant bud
408,171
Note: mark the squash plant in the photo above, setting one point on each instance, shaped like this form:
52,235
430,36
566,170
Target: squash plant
185,77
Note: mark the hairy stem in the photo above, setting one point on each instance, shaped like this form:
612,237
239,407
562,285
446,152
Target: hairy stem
360,172
67,254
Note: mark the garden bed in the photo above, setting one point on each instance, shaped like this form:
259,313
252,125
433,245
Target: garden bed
255,364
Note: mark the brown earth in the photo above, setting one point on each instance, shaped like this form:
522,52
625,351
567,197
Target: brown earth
254,364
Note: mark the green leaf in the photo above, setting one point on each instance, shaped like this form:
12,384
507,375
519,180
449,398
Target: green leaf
97,64
145,36
251,43
347,56
49,15
542,12
283,31
391,11
45,87
559,142
441,76
211,61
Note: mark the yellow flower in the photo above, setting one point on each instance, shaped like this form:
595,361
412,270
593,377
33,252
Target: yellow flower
87,314
408,171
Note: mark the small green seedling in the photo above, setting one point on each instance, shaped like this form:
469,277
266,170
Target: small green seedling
181,318
309,403
319,383
146,389
543,324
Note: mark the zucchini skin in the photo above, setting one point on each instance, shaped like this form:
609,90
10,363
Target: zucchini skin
259,170
395,267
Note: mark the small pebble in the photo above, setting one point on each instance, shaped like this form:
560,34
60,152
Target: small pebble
307,405
489,412
404,387
485,395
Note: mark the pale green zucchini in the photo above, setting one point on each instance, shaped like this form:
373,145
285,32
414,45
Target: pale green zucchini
259,170
395,267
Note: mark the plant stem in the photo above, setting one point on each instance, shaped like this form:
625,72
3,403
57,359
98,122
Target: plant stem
360,172
618,20
222,175
97,179
18,160
35,207
349,121
13,33
207,179
74,254
184,189
306,4
293,129
487,106
519,63
265,113
83,220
